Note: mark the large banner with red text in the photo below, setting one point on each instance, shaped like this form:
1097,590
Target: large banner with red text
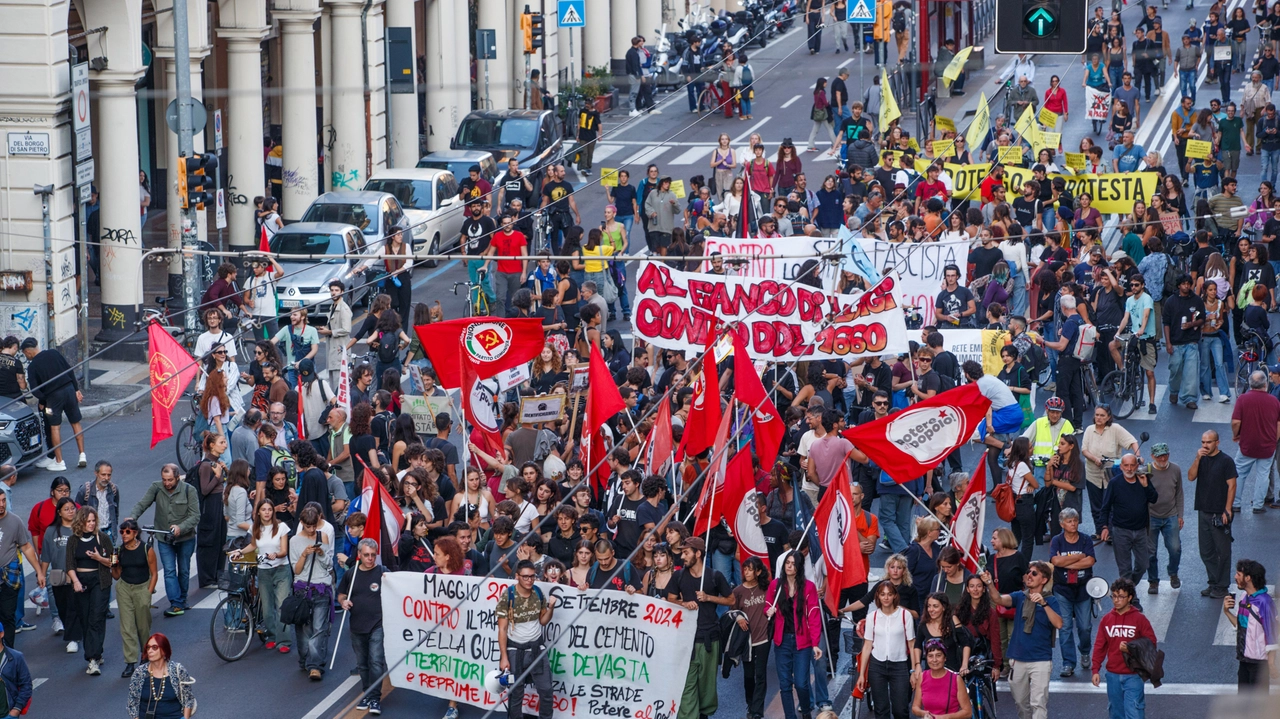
777,320
604,645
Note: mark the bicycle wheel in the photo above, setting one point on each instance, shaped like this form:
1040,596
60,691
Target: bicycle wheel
231,628
1243,370
1090,388
707,100
1115,395
188,447
988,701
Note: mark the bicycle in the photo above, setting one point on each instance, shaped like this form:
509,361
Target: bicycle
712,100
1122,389
237,618
477,300
1252,356
188,446
982,690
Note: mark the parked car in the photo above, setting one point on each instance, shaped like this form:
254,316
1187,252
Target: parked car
531,136
20,436
377,214
430,201
460,162
306,281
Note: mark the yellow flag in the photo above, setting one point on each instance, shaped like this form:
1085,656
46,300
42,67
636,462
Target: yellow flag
956,66
977,131
1027,127
888,105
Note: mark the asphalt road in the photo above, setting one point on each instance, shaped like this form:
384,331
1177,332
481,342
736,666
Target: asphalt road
1197,640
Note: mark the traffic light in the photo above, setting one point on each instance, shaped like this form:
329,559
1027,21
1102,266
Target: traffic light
195,180
537,32
1044,27
526,28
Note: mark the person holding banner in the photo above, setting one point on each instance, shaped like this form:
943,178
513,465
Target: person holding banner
694,589
523,612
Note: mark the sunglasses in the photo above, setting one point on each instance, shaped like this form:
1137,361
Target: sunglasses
925,360
880,404
219,352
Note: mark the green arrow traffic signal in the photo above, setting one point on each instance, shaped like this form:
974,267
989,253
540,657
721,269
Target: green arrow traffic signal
1040,22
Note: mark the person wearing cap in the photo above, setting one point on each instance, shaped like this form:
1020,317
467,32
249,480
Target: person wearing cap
523,612
1166,516
697,589
473,186
315,395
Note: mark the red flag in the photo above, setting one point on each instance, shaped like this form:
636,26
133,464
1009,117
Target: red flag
769,428
603,401
172,369
911,442
264,245
838,533
709,511
480,406
739,498
384,520
969,521
492,344
704,416
660,452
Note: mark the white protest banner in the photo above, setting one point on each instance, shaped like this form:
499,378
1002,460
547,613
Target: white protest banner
964,344
799,250
919,266
674,310
623,656
512,377
344,381
424,411
1098,104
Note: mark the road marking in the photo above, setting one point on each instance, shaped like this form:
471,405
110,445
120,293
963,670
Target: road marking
692,155
1213,411
743,137
1142,415
35,684
844,64
1171,690
334,697
645,156
790,102
432,275
1158,608
604,151
1225,634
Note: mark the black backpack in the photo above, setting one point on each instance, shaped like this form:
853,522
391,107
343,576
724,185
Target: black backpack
950,381
1034,361
899,22
387,351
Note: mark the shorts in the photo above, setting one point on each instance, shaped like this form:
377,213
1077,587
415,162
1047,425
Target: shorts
62,401
1230,160
657,240
1147,350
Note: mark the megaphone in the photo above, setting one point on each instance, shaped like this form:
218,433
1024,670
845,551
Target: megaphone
1097,588
497,681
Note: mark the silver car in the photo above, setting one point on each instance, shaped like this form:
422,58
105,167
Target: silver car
20,437
306,282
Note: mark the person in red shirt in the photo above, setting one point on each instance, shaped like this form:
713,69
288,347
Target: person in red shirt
45,513
931,187
1123,624
995,178
511,273
1255,426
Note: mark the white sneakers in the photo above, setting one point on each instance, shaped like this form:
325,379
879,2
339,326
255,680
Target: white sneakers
634,113
57,627
1224,398
84,461
43,462
73,647
95,668
56,466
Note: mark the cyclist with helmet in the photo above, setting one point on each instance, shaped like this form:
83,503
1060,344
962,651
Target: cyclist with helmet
1043,434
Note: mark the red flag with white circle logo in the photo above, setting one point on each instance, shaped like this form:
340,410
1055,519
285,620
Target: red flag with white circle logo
490,344
172,369
908,443
838,532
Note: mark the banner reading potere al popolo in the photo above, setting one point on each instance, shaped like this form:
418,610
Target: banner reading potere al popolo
611,655
778,320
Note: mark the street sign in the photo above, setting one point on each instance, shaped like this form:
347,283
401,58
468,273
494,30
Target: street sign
84,143
28,143
86,194
84,173
486,44
862,12
199,115
217,130
220,221
80,96
572,13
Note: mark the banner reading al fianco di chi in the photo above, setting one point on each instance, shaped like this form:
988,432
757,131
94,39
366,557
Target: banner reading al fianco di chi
779,320
623,656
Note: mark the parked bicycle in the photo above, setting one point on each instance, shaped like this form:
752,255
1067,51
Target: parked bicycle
1123,389
237,618
1252,355
187,438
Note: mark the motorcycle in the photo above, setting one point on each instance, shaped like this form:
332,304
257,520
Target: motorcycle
664,72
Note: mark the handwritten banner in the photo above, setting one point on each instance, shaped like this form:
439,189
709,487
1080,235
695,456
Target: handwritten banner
919,266
1075,160
1197,149
1099,104
623,656
1011,155
609,177
944,124
677,189
1051,140
675,310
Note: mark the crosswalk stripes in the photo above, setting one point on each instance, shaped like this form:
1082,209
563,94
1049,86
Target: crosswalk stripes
604,151
644,156
156,597
1141,414
691,156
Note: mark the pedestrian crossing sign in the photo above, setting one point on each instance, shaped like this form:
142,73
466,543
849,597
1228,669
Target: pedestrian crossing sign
862,12
572,13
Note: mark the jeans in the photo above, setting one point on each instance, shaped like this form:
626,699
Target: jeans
1166,528
882,52
633,89
1075,637
1018,302
370,661
890,685
839,114
506,285
1187,84
1270,158
695,89
1211,365
1115,73
895,520
1133,551
1126,698
1184,370
793,670
1259,470
1029,685
1224,80
176,560
525,657
755,678
274,584
728,565
312,638
1215,552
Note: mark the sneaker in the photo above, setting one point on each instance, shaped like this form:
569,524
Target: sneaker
95,668
452,713
1206,397
1174,581
1218,594
110,615
270,645
83,461
315,675
174,612
1207,591
24,627
1067,672
43,462
1084,659
56,466
1153,587
73,647
1151,409
633,113
1192,406
362,705
57,627
283,648
1224,398
375,707
654,111
1256,510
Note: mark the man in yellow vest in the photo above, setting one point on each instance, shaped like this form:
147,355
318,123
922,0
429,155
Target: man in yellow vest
1044,434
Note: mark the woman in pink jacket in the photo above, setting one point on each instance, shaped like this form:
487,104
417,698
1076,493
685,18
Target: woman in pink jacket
792,604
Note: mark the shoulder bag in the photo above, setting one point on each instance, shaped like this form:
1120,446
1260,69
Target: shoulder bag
296,609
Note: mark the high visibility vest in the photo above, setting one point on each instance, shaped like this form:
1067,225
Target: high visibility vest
1046,440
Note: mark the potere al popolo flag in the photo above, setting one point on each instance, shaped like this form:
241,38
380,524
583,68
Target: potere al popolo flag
969,522
480,406
704,413
171,369
911,442
769,429
491,344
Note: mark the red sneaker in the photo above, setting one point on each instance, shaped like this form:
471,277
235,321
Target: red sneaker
270,645
283,648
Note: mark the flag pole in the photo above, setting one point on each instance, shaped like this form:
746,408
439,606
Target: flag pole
711,508
928,511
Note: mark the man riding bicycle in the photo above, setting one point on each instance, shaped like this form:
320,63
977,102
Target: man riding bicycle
1139,314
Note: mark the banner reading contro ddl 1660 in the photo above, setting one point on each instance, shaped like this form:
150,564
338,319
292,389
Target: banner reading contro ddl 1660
779,320
624,656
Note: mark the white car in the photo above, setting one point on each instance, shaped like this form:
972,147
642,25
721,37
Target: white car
429,198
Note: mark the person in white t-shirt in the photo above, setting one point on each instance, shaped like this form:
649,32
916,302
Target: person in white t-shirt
889,638
213,336
260,291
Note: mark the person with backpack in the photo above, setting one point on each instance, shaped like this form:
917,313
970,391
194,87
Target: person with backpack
609,572
177,509
1075,347
523,612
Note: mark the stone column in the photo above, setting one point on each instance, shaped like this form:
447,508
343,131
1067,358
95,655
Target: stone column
301,185
349,157
570,60
622,27
117,174
402,146
174,216
446,86
510,44
243,132
595,36
649,20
